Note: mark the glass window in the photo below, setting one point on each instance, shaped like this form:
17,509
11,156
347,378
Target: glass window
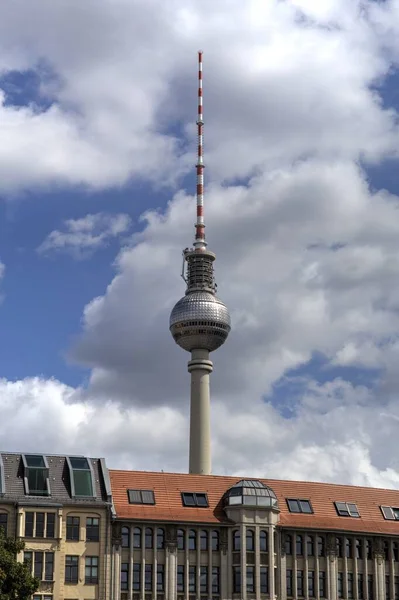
289,582
29,523
195,499
386,550
288,544
339,547
299,545
264,580
203,580
125,576
136,577
215,541
396,585
92,529
49,566
310,545
250,540
36,474
321,546
299,583
141,496
71,569
395,548
28,558
39,525
311,587
81,477
180,578
237,580
370,586
360,586
160,578
340,587
192,580
91,569
322,584
251,580
148,537
369,550
299,506
73,529
148,578
215,580
347,509
387,587
50,525
180,539
160,538
359,548
192,539
236,540
263,540
350,585
38,565
125,537
203,540
348,548
137,537
3,522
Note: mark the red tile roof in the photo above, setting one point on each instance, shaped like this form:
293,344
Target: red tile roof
168,508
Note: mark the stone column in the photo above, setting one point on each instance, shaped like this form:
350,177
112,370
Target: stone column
116,545
243,563
283,568
257,563
331,553
171,554
224,566
379,569
272,592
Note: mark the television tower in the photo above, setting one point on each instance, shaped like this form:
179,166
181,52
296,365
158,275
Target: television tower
199,322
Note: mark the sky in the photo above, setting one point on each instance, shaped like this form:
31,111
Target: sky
97,180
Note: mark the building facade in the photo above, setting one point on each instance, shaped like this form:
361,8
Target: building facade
61,507
185,537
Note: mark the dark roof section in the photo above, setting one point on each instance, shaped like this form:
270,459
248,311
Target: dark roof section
59,480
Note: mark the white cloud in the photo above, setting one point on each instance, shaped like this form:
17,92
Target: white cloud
82,237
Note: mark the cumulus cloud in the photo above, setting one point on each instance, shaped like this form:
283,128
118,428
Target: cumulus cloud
82,237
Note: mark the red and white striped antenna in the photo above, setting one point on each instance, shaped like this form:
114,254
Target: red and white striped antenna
199,242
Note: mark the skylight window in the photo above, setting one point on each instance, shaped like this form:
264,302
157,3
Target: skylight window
390,513
141,496
82,484
347,509
36,475
299,506
198,499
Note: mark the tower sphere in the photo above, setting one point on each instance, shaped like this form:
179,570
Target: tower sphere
200,321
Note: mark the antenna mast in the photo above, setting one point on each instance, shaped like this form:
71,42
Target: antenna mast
199,242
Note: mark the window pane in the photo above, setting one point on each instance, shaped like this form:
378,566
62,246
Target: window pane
29,520
305,506
38,565
39,524
83,483
50,526
188,500
147,497
293,505
49,566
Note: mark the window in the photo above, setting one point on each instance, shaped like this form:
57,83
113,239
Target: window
71,569
263,539
288,544
160,538
137,537
250,540
322,584
192,580
347,509
396,584
289,582
180,539
195,499
3,522
299,506
321,546
309,545
395,549
28,556
299,583
236,541
339,547
81,477
370,587
299,545
390,513
203,540
50,525
340,585
148,538
39,525
125,576
125,537
49,566
311,587
38,565
386,550
148,578
92,529
215,580
237,580
203,580
350,585
358,548
251,580
192,539
387,587
73,529
215,541
360,586
36,475
160,578
29,524
136,577
369,550
91,569
180,578
264,580
141,496
348,548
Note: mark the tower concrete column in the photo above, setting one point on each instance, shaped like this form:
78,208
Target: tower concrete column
200,368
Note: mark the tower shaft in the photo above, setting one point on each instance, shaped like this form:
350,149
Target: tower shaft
200,368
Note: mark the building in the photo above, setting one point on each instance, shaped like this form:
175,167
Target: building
61,507
186,537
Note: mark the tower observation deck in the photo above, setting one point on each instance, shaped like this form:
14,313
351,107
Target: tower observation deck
200,321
